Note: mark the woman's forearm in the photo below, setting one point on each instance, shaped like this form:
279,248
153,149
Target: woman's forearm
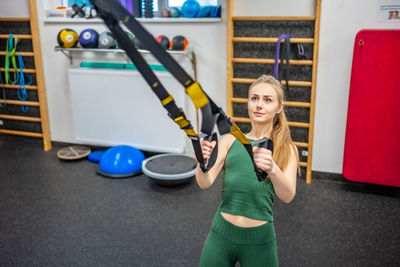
203,179
284,183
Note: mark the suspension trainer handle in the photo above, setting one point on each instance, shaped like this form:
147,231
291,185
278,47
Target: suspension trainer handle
263,143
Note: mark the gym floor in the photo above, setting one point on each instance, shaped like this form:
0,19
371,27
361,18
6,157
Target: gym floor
58,213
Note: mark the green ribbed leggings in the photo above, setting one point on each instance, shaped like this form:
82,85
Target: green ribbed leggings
251,246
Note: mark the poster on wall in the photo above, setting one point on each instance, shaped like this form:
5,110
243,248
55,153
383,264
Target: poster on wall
388,11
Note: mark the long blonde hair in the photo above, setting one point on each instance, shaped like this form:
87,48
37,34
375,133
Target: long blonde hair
283,143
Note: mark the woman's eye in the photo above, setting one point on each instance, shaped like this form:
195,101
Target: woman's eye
268,100
254,98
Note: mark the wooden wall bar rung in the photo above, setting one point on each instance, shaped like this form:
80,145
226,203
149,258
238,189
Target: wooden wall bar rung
293,83
22,133
15,19
236,18
291,123
271,61
298,124
19,118
286,103
20,36
20,103
303,164
16,86
24,54
271,40
24,70
301,144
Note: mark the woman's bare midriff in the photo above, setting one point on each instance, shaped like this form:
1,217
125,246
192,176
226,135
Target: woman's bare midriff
241,220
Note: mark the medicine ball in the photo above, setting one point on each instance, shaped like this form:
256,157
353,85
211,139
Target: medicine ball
138,44
89,38
165,13
107,40
131,37
179,42
174,12
163,41
190,8
67,38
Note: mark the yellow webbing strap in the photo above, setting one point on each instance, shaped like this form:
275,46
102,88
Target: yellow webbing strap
182,122
190,132
167,100
236,132
197,95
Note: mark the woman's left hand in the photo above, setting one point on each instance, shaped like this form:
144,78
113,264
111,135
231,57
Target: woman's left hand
263,159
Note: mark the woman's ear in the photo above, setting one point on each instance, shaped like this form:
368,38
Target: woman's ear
280,109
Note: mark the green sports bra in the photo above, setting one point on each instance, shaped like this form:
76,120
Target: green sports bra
242,193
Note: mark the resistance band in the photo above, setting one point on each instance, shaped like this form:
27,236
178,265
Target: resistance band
22,93
283,55
11,46
113,13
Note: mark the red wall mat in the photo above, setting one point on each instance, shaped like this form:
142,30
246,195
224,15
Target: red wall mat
372,144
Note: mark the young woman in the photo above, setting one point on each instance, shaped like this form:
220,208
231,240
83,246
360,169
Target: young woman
243,229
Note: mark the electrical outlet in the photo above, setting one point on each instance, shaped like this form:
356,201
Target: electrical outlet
304,153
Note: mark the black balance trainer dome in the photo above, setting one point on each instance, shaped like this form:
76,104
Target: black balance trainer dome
170,169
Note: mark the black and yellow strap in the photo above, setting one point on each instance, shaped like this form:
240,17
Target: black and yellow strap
113,13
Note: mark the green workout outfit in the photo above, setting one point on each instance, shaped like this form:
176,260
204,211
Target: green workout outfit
244,195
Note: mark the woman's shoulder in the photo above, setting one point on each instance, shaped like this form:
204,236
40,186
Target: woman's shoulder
227,140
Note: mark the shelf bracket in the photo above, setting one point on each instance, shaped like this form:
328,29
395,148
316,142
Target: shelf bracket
66,53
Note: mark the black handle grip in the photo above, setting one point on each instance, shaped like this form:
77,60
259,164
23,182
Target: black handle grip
268,144
206,166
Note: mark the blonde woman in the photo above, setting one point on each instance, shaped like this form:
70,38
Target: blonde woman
243,229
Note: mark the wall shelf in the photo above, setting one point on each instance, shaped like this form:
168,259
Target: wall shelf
188,52
143,20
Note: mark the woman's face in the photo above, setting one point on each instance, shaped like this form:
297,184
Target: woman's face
263,103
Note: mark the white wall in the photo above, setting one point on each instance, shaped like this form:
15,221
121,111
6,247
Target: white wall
340,21
14,9
208,40
274,8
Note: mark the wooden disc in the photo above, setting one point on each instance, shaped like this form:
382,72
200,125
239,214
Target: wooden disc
73,152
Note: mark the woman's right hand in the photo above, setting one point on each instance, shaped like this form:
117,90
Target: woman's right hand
207,148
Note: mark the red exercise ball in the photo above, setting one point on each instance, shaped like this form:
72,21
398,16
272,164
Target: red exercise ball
179,42
163,41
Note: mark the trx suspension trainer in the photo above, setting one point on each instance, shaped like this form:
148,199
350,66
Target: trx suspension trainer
113,13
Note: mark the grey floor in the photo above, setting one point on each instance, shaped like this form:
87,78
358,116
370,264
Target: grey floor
57,213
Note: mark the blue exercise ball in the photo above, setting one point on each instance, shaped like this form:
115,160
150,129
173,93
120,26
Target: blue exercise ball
89,38
190,8
121,161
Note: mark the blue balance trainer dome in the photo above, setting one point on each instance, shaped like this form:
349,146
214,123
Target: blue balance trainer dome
121,161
